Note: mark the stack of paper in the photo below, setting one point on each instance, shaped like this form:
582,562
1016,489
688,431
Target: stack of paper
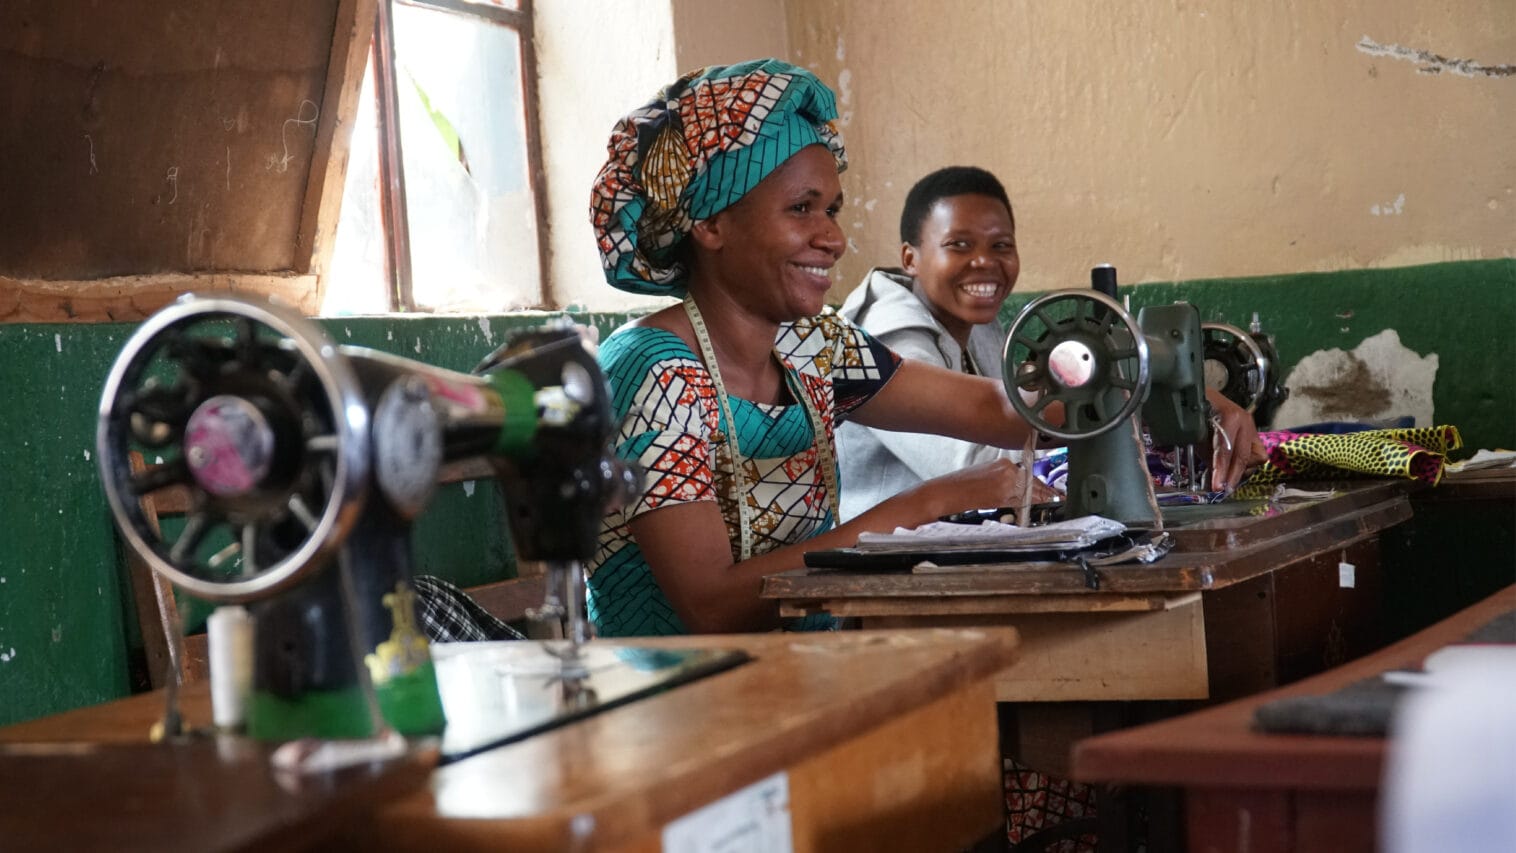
1485,459
943,535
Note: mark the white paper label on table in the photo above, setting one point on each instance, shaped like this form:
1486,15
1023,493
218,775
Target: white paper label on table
755,819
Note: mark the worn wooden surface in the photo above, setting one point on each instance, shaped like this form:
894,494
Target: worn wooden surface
889,739
197,795
1293,788
1481,484
135,297
1194,625
168,144
1067,657
1211,555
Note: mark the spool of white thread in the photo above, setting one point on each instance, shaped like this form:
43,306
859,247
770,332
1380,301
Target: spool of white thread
229,635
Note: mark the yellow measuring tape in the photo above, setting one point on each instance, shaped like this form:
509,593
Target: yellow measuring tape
824,448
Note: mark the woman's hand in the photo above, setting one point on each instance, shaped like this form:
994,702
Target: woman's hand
997,483
1235,445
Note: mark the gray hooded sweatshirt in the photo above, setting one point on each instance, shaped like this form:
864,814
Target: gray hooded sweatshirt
878,464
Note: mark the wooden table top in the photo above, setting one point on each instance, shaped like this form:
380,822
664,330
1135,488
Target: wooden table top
200,794
1218,747
1207,555
1480,484
631,769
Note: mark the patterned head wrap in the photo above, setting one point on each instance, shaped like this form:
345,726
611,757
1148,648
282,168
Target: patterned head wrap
703,143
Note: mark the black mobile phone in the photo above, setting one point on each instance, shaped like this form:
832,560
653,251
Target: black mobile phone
1040,514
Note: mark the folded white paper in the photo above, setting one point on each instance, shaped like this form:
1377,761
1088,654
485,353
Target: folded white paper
1073,533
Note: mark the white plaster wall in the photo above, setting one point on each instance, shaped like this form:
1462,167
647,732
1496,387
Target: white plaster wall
597,60
721,32
1182,139
1176,139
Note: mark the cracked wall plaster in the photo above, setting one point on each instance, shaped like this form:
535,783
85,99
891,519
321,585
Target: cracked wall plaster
1381,379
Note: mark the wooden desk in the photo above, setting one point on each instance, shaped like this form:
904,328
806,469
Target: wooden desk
888,740
1245,790
1240,605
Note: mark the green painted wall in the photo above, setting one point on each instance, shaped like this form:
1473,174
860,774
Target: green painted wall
67,636
1464,312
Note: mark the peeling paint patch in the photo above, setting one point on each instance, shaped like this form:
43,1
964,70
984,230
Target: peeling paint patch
86,456
845,97
489,334
1381,379
57,633
1432,63
7,657
1394,208
418,345
468,488
58,342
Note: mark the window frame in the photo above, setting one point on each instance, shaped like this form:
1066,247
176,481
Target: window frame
393,211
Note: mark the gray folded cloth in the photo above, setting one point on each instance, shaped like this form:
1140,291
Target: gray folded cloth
1363,707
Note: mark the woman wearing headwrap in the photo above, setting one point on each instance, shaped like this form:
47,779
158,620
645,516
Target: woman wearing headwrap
724,191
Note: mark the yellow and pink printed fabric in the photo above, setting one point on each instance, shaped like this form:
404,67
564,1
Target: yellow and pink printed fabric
1415,454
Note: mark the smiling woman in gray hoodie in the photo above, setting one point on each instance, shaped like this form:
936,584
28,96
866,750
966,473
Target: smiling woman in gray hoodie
958,264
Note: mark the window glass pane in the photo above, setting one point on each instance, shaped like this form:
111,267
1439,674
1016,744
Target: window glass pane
355,282
473,222
513,5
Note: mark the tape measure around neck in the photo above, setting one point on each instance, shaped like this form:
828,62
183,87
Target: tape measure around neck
827,456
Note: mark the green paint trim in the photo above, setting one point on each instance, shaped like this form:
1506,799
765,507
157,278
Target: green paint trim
518,399
321,714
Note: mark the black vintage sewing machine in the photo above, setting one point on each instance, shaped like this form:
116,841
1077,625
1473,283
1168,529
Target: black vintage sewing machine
1244,366
305,464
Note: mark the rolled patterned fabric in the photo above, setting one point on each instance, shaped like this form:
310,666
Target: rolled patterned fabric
699,146
1416,454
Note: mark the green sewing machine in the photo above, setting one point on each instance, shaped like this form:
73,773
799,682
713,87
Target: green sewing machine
1102,367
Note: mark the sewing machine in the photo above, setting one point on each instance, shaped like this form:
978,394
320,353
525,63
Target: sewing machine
305,464
1081,349
1244,366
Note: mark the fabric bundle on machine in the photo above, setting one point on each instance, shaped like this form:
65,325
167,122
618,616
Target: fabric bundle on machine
1416,454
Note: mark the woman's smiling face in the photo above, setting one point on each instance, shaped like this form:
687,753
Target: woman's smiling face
966,262
778,243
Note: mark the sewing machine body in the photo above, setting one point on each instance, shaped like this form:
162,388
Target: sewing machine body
1083,350
305,464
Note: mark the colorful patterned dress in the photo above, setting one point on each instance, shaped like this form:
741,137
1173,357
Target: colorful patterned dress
670,426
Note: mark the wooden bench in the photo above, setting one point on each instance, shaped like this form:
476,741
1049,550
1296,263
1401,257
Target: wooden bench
1245,789
169,650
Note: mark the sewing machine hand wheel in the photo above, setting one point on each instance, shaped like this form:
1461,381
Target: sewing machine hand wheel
250,410
1234,364
1076,347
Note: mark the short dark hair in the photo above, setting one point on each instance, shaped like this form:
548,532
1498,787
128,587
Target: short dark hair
945,183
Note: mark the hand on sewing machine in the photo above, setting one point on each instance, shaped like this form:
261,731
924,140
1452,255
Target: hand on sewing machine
996,483
1235,446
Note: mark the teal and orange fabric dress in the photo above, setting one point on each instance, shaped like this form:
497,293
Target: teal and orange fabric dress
670,426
